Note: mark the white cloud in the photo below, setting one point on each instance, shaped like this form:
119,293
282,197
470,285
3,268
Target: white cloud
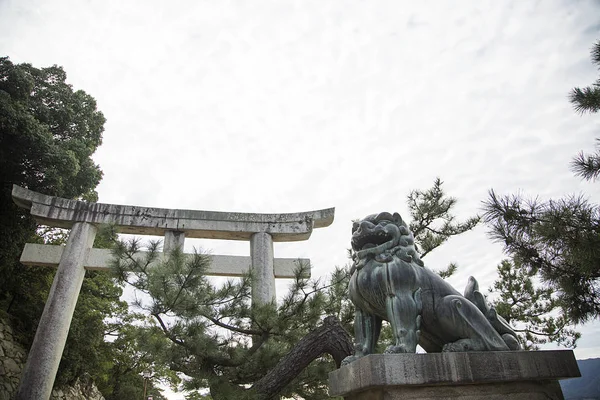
291,106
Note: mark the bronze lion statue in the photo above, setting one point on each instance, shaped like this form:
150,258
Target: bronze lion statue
390,282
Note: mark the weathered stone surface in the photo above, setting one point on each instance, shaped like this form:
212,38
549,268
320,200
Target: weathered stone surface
42,363
173,240
540,390
263,274
60,212
469,375
99,260
11,367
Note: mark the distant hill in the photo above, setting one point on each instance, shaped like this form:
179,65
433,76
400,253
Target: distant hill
588,386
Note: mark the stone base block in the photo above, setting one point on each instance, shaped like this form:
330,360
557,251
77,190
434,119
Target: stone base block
527,375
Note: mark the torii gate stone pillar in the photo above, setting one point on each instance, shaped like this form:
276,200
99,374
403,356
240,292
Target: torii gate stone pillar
261,230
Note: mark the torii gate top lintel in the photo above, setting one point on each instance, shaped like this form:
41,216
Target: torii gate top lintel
63,213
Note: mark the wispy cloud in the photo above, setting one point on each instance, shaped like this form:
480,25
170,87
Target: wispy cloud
280,107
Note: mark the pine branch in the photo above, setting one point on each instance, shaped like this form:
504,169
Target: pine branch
587,166
329,338
231,327
585,99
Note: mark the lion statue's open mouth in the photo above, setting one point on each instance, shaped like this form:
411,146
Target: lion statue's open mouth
375,234
380,236
390,282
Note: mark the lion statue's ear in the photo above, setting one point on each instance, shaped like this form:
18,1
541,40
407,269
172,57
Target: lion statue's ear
397,218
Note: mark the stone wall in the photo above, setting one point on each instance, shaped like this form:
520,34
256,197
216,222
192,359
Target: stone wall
12,361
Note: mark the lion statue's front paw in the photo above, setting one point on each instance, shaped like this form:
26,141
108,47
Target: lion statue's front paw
395,349
349,359
455,347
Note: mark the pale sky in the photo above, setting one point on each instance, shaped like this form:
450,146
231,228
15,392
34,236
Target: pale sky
285,106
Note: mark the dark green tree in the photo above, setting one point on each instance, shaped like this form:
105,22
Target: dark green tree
48,133
133,353
531,309
557,240
220,340
432,221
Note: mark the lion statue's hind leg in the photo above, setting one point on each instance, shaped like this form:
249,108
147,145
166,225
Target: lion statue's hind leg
461,319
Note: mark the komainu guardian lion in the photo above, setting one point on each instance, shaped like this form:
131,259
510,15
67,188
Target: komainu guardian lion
390,282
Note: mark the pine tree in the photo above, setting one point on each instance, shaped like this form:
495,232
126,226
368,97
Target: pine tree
588,100
558,240
220,340
432,221
530,309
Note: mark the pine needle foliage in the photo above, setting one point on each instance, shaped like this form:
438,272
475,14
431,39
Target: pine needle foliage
215,335
433,222
587,100
587,166
559,240
531,309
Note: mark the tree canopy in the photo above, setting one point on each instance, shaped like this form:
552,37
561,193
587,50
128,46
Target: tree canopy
530,308
48,132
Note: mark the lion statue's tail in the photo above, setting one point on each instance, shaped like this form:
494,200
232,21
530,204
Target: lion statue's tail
501,326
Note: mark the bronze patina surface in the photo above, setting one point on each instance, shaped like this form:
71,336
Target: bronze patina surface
390,282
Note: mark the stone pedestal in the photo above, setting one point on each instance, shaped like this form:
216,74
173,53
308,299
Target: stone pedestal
515,375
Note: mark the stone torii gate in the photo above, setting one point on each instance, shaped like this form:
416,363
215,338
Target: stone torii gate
261,230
